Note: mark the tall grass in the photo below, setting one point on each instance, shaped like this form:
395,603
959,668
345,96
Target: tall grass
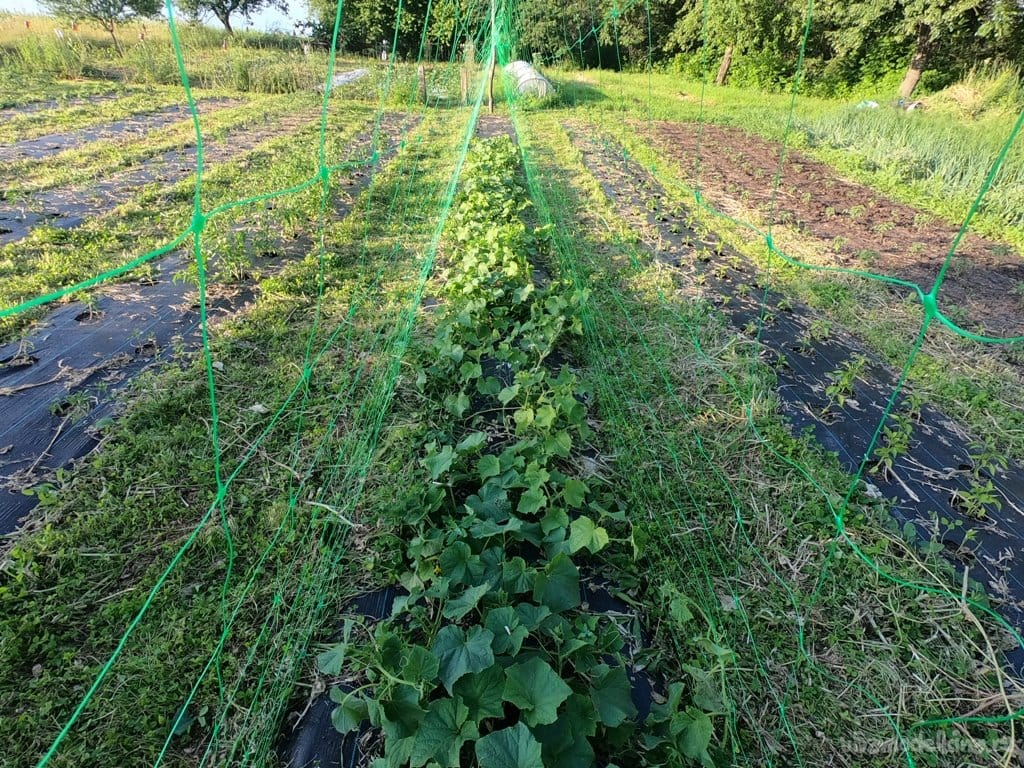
39,55
247,61
936,152
988,90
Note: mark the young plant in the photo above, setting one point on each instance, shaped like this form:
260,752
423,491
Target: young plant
842,380
895,442
491,659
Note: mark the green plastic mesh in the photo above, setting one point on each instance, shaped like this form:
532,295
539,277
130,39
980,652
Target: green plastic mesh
327,467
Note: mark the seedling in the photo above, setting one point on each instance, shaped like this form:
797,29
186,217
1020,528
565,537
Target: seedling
912,405
895,442
977,499
819,329
74,407
883,228
1018,292
922,221
843,379
868,256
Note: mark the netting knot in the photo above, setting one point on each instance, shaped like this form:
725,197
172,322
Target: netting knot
931,305
198,222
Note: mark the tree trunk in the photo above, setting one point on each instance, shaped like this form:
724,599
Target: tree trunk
117,43
723,69
917,63
225,19
490,87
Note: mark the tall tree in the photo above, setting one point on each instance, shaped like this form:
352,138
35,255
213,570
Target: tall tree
948,34
369,25
107,13
734,29
928,22
223,10
637,30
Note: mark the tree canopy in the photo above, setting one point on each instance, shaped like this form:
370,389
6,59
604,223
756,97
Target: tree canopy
223,10
107,13
850,41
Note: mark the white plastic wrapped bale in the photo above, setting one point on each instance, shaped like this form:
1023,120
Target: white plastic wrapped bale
529,82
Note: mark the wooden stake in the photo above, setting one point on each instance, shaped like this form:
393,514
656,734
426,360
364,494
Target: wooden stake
494,56
490,88
469,65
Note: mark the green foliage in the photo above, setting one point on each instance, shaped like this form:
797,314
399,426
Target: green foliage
370,27
895,441
517,658
223,10
107,13
840,388
513,747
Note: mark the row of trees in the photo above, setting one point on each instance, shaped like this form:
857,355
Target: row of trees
757,42
109,13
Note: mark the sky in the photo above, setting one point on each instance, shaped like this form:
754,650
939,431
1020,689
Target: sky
266,20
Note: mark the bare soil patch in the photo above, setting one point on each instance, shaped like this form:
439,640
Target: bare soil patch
862,229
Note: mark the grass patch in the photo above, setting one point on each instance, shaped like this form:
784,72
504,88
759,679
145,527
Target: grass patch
736,522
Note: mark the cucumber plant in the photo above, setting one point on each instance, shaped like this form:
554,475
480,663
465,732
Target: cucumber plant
490,658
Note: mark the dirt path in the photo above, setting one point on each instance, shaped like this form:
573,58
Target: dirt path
129,129
29,107
489,126
70,207
60,383
860,228
937,464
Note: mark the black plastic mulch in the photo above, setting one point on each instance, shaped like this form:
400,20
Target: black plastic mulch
59,384
925,479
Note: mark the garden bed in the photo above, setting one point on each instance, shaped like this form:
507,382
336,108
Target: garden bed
859,228
70,207
828,382
128,129
62,378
